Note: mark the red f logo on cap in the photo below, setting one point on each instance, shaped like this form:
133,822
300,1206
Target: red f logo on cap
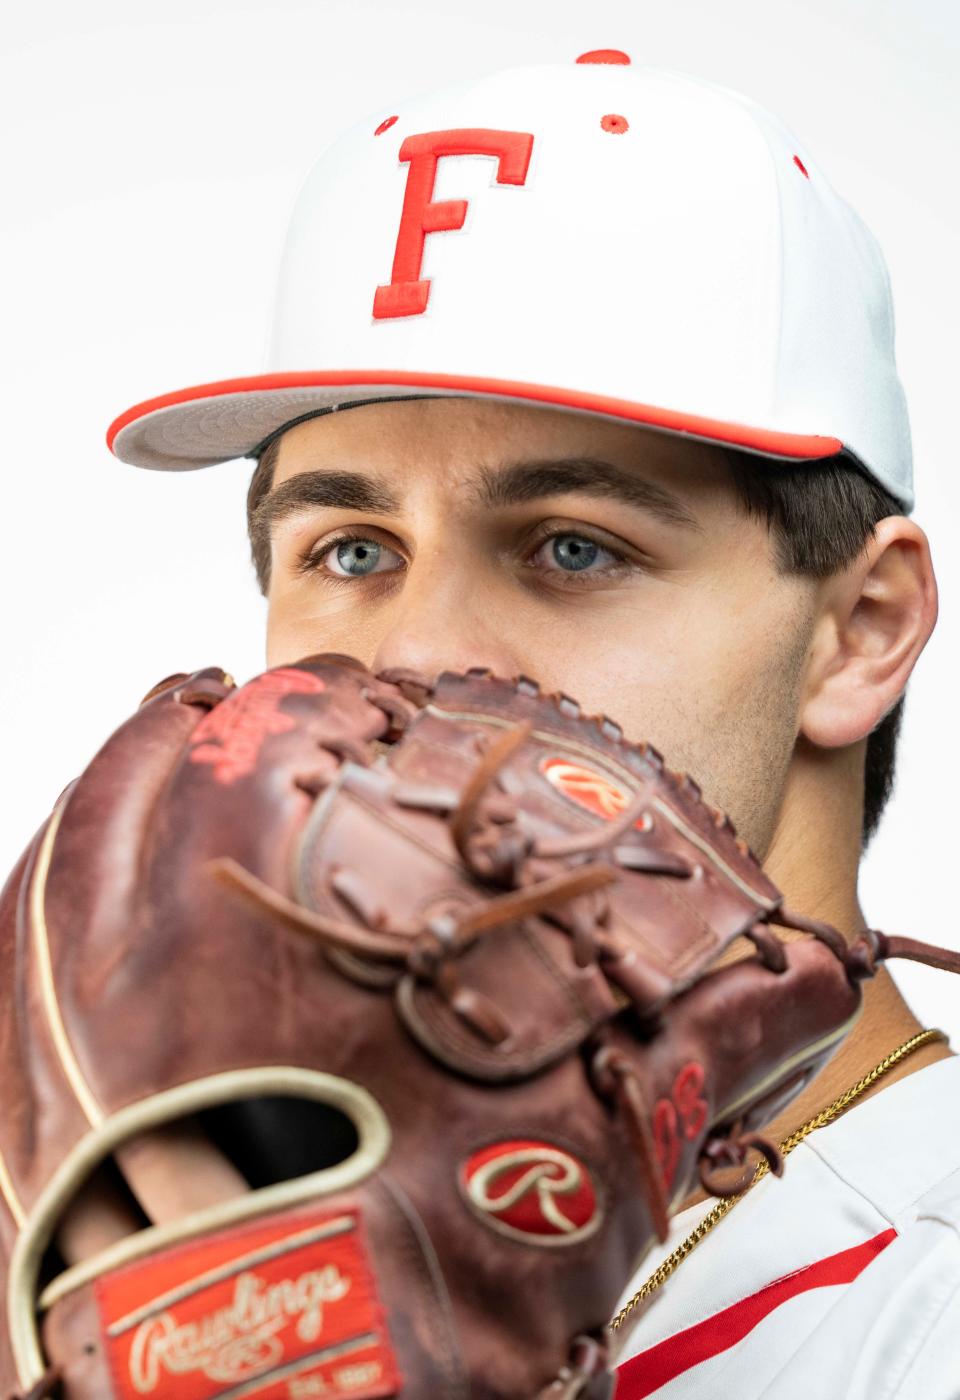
407,294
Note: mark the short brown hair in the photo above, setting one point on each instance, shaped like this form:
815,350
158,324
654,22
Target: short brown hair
822,514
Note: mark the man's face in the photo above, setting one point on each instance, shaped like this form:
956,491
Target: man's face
607,561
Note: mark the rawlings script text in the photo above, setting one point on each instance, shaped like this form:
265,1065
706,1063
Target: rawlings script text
238,1341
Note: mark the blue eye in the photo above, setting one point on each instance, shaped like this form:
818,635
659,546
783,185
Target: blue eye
574,552
569,552
357,557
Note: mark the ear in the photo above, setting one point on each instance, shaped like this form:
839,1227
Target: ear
874,620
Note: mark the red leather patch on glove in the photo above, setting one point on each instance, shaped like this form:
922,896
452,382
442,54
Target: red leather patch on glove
229,738
285,1309
534,1191
586,787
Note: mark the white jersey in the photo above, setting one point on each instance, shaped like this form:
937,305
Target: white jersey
841,1279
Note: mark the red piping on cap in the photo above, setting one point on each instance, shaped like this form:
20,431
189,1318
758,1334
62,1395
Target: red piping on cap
799,445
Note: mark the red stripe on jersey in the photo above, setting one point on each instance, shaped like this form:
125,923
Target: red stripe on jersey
650,1369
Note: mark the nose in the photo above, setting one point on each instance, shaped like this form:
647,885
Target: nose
448,623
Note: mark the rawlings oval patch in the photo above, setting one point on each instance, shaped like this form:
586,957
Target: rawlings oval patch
533,1191
586,787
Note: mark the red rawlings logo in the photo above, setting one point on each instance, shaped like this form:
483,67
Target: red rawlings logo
286,1309
586,787
531,1190
683,1112
230,737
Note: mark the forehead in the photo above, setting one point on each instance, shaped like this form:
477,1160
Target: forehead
449,439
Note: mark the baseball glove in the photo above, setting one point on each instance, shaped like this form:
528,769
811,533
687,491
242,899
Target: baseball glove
435,967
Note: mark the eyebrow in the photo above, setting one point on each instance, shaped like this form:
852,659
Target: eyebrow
513,484
588,476
333,489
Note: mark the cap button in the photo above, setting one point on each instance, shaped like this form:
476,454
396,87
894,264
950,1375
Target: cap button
604,56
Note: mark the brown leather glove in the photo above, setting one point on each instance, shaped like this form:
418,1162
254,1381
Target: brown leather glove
432,967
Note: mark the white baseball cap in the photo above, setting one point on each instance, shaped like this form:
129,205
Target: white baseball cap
600,237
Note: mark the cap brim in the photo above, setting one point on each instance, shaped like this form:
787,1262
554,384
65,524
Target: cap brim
211,423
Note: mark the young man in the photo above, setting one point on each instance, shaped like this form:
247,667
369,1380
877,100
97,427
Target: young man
624,416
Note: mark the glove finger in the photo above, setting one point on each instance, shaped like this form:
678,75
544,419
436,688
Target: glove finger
175,1170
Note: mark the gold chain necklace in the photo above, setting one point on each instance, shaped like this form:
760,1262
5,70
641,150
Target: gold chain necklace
723,1207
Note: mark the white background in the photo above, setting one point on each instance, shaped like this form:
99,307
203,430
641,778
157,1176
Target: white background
151,152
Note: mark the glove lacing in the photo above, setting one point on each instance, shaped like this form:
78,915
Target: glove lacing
487,835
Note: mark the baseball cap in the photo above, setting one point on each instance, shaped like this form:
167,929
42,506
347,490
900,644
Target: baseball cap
599,237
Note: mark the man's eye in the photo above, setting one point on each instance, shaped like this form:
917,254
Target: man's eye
573,554
355,558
